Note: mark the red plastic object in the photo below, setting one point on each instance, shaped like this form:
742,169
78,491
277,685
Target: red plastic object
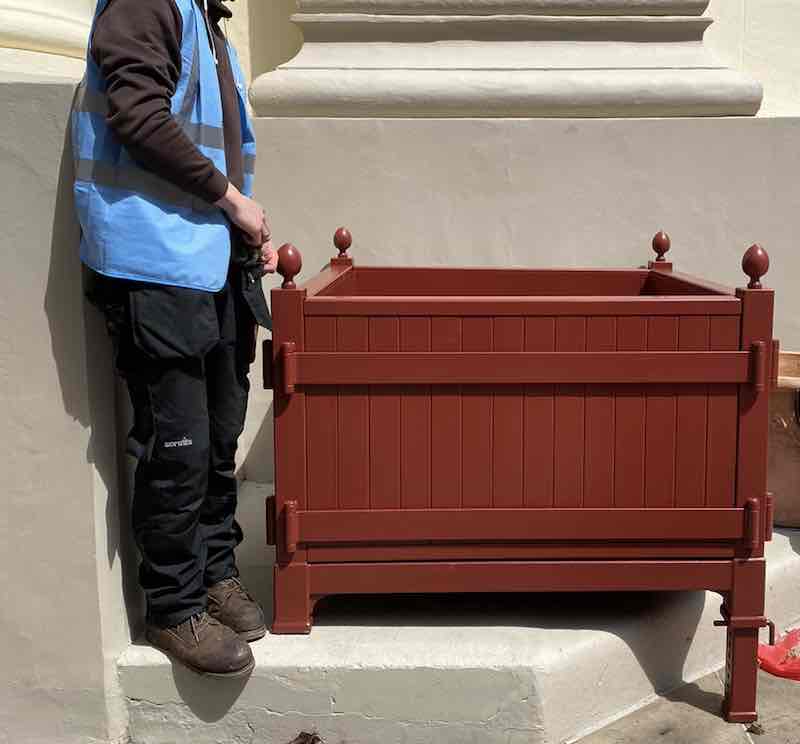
782,659
511,430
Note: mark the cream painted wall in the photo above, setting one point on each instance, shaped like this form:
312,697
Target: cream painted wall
64,546
760,37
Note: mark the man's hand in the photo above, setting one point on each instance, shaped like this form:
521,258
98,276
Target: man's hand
247,214
269,257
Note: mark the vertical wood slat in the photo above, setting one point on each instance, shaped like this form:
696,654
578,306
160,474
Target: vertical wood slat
322,417
539,424
508,334
601,334
476,421
692,421
415,423
352,334
569,421
384,423
723,401
445,422
661,419
629,432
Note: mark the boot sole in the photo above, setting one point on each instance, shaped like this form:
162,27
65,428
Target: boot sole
253,635
244,671
202,673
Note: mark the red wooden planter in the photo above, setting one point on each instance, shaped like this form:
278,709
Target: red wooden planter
473,430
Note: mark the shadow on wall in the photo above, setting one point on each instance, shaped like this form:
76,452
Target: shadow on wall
89,389
274,39
259,462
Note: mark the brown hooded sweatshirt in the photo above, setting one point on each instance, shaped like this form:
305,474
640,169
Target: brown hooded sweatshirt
137,45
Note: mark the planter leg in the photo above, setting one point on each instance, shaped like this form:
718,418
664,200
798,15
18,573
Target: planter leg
292,606
744,610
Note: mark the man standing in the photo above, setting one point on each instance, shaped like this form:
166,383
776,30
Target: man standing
176,248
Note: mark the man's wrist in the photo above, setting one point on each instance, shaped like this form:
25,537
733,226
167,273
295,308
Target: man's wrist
228,201
222,189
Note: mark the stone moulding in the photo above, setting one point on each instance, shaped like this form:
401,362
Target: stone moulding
348,27
43,30
499,58
505,93
489,7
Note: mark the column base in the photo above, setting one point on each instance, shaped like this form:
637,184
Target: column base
484,93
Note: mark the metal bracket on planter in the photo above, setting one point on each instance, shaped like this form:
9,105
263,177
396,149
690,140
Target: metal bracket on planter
752,513
272,532
291,526
745,623
291,531
775,362
769,518
288,366
267,363
759,371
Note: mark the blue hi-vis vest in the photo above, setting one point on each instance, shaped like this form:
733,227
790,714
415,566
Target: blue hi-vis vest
136,225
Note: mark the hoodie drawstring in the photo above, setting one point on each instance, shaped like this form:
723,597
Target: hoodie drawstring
210,33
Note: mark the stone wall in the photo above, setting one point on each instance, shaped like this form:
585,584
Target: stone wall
64,546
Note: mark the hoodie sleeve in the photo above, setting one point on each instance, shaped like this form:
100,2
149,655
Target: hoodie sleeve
137,46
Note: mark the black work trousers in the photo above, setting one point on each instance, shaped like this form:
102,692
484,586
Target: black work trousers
185,355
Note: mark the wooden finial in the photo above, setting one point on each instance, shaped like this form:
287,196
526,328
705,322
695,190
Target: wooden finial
289,264
755,264
661,245
342,239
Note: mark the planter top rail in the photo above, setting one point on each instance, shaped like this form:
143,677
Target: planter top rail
342,289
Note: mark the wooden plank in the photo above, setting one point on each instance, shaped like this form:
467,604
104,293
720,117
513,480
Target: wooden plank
522,306
629,416
322,413
601,335
540,336
692,421
490,524
519,551
722,421
446,422
673,282
515,368
661,418
508,437
476,419
352,334
415,423
516,576
384,423
331,278
569,420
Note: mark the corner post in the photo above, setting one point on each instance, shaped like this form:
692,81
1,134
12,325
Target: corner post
744,604
292,604
756,333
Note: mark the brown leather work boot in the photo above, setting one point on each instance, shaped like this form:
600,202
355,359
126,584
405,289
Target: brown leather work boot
230,603
204,645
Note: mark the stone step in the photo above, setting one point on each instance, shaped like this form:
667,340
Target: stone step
482,669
